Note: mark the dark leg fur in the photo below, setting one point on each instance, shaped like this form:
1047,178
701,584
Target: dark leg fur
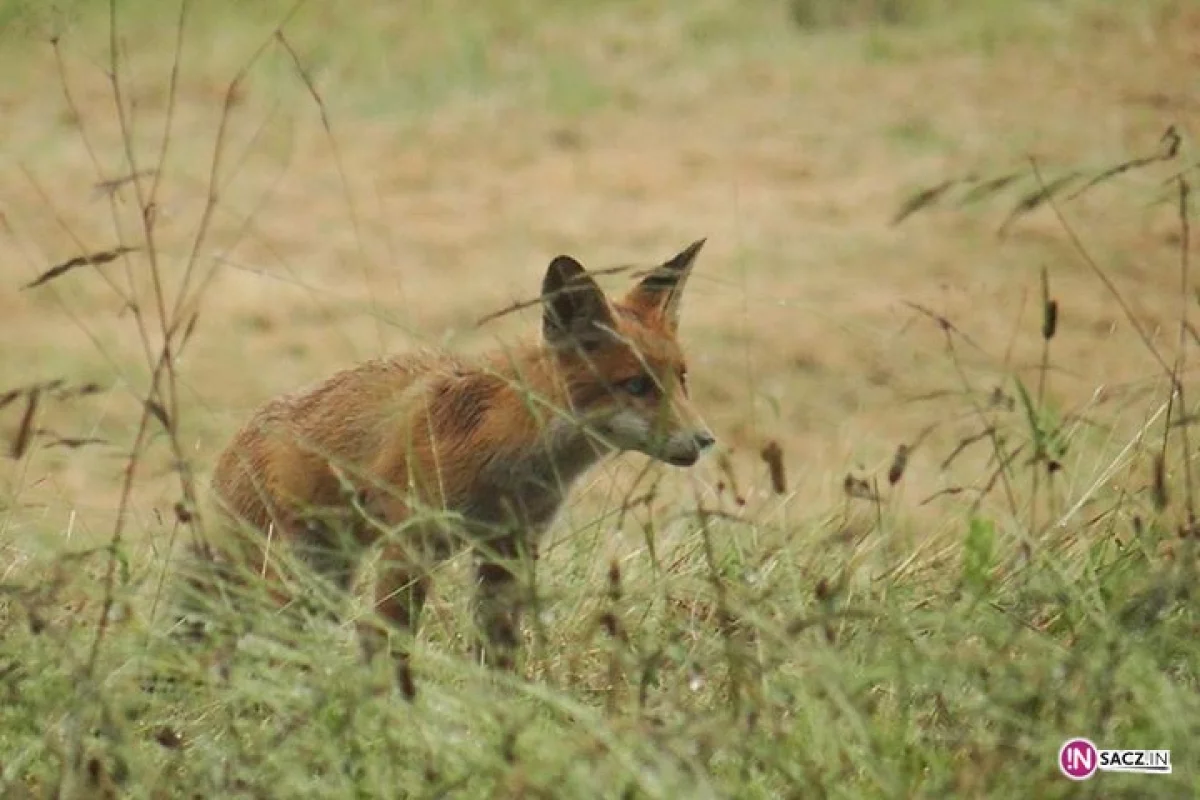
500,600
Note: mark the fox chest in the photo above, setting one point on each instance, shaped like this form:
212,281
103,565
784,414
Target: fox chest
528,506
524,493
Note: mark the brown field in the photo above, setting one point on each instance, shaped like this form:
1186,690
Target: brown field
460,157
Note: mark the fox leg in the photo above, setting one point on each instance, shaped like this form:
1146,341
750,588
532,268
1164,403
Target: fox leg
402,585
400,592
330,545
217,581
499,599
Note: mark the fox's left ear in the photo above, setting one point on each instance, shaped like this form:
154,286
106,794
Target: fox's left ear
660,290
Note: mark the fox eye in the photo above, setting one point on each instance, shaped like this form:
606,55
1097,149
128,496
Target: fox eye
638,386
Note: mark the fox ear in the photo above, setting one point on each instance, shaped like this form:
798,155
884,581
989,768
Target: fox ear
660,290
574,308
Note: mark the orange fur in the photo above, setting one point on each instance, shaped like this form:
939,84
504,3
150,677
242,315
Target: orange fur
377,454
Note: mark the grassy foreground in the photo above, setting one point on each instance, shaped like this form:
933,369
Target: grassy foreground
820,611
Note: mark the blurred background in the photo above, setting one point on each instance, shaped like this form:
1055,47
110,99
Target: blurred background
346,180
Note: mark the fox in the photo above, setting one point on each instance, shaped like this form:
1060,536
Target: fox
423,455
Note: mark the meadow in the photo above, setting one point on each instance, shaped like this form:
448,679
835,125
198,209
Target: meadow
943,328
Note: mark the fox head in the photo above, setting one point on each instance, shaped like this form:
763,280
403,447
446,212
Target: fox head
623,369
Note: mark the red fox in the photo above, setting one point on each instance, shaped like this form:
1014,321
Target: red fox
423,454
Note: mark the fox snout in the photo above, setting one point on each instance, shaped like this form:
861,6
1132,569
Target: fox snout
686,436
679,437
687,439
684,449
662,436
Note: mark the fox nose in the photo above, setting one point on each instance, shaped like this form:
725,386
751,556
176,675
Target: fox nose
704,440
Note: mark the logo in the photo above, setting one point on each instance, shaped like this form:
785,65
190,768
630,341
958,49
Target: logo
1079,759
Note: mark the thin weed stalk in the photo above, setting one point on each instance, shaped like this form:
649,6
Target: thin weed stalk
1185,300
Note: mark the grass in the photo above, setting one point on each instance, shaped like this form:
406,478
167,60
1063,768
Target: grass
839,621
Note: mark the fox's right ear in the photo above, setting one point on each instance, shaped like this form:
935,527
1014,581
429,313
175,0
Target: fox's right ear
574,307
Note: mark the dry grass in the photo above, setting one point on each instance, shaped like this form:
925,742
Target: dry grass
454,151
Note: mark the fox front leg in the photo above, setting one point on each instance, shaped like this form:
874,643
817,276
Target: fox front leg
401,588
500,601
